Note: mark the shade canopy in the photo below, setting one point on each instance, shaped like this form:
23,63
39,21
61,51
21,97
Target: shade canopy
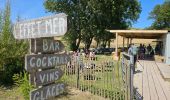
140,34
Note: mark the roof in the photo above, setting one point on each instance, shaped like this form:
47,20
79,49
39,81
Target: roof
143,34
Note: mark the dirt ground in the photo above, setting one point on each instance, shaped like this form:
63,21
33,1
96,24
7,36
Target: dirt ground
10,94
73,94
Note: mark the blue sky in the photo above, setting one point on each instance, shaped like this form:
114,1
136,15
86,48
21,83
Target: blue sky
29,9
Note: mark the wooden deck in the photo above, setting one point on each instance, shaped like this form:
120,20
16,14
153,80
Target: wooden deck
149,83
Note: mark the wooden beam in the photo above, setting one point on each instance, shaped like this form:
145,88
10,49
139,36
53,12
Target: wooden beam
123,43
139,31
116,44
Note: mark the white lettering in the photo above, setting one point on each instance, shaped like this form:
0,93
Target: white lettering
56,75
57,45
36,96
38,64
51,46
61,88
49,26
61,25
21,30
31,62
43,62
56,25
52,91
52,76
49,61
45,45
39,27
48,93
42,78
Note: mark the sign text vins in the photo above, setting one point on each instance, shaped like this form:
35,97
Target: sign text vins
47,76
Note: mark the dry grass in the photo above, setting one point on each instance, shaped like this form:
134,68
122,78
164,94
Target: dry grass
10,93
72,94
75,94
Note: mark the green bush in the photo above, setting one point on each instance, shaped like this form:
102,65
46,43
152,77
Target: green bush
11,67
22,81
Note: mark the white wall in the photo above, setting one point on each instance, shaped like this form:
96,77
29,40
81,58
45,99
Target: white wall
167,50
163,39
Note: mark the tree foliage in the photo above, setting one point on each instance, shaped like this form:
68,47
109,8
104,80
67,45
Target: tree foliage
12,51
89,19
161,16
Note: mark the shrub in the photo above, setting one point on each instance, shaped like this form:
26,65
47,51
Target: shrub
22,81
11,67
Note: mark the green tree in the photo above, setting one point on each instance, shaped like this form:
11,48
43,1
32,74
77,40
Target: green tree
161,16
89,19
12,51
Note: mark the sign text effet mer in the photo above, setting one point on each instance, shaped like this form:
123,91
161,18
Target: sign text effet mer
43,27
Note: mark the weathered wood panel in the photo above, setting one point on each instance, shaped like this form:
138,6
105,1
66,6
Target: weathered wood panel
45,61
43,27
46,45
48,76
47,92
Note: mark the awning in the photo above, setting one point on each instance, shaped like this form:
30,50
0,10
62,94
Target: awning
140,34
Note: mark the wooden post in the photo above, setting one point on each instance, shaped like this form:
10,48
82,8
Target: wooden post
130,40
78,74
127,42
123,43
116,44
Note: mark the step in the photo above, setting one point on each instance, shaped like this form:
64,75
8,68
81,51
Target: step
164,70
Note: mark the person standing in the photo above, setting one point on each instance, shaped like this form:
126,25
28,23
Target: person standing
133,50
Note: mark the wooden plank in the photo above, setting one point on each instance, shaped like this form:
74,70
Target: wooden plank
154,87
146,89
47,92
48,76
164,85
45,61
50,26
153,92
161,95
46,45
138,80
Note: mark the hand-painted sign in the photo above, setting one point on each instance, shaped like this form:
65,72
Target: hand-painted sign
46,45
43,27
47,92
47,76
44,61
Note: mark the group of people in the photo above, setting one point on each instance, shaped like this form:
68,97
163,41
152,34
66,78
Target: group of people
85,53
145,52
140,52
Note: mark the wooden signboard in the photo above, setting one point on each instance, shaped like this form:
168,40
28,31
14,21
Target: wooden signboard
47,92
50,26
46,45
45,61
47,76
41,32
